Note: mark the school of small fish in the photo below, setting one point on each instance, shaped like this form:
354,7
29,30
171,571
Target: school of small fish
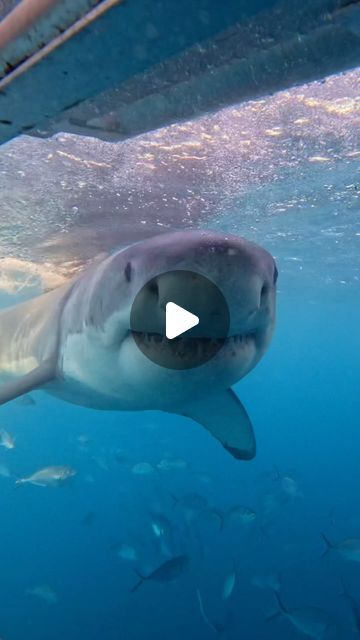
164,550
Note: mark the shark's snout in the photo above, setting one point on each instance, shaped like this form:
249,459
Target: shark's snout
227,282
189,290
173,268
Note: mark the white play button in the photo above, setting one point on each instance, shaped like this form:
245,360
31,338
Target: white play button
166,327
178,320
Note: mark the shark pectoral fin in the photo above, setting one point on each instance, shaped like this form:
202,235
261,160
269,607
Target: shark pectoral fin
225,417
45,372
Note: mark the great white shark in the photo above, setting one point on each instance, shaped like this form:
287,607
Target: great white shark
75,342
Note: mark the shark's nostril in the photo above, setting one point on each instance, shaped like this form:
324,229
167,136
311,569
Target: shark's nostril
154,288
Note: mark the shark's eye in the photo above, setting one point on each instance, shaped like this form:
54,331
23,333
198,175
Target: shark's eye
264,293
127,272
276,273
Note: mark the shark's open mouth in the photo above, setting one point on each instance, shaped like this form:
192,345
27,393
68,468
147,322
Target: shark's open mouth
189,349
172,304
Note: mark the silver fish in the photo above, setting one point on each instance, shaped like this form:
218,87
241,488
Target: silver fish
6,440
271,580
142,469
126,552
355,608
4,472
44,592
212,624
348,549
166,572
290,487
172,464
229,583
49,476
241,514
160,524
310,621
212,514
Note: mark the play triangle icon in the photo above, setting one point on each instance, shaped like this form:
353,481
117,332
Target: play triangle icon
178,320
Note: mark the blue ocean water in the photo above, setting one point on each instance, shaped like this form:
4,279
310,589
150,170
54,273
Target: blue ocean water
70,553
304,402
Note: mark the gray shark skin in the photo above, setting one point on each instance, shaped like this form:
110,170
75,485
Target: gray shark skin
75,342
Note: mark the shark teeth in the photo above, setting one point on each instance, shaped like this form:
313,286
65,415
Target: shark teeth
190,346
